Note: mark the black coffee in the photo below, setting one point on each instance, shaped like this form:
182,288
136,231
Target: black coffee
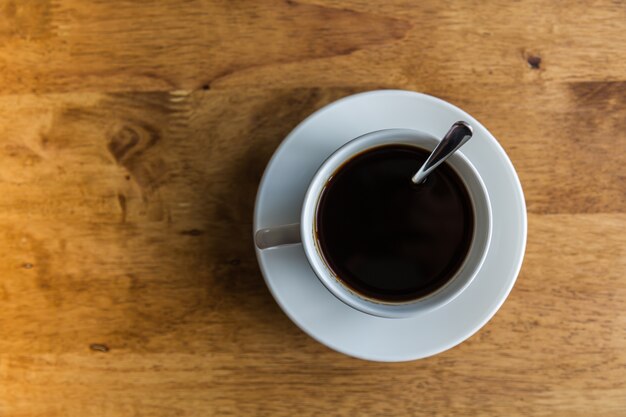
387,238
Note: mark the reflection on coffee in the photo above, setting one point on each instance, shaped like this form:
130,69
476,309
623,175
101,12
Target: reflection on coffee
387,238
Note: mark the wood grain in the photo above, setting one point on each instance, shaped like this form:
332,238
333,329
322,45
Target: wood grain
132,139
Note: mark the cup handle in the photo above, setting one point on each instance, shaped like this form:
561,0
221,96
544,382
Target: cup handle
277,236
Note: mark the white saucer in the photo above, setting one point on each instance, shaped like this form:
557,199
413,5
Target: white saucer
300,293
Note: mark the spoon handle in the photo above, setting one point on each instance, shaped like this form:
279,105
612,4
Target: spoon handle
459,133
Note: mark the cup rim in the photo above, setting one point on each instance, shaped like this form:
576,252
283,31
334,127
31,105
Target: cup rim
335,284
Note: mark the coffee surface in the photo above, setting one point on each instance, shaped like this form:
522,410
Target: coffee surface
388,238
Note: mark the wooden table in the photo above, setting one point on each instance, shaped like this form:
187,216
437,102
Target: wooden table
133,136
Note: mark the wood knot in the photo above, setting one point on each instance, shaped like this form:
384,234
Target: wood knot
130,145
132,140
534,61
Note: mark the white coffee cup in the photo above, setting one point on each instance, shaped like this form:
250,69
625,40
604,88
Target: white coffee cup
305,231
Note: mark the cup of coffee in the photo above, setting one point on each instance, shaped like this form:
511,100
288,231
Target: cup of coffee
380,243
